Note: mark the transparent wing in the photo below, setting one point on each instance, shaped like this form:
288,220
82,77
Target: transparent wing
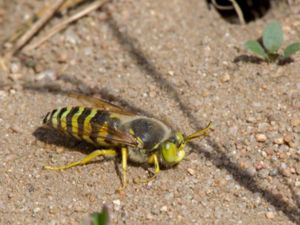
99,104
113,135
108,135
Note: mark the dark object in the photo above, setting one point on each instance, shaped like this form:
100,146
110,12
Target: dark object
251,9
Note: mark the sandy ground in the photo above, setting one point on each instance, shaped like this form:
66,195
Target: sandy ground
166,59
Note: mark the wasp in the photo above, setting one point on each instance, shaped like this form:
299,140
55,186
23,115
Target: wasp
114,131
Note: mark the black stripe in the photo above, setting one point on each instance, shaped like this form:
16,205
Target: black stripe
85,113
69,117
59,117
96,122
45,118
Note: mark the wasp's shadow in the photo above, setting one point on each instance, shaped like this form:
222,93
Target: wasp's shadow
54,137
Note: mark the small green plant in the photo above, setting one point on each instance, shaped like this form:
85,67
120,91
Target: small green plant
272,39
98,218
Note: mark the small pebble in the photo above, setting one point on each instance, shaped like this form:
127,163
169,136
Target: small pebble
59,149
117,204
264,154
293,170
152,94
53,222
102,16
3,93
283,148
36,210
205,93
264,173
286,172
269,151
164,208
15,67
295,122
62,57
283,166
48,75
251,171
274,172
225,78
259,166
297,168
289,139
53,209
71,37
150,216
278,141
250,119
270,215
261,137
191,171
15,76
88,51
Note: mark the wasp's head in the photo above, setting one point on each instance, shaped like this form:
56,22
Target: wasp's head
172,150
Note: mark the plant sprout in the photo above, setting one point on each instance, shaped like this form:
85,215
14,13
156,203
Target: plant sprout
98,218
272,39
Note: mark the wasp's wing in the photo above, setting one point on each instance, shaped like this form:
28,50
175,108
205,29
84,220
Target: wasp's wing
96,134
112,135
99,104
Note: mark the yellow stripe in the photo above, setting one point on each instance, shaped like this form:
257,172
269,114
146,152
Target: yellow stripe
75,122
102,134
54,118
63,119
87,127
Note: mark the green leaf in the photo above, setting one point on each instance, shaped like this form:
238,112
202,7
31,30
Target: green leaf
100,218
291,49
256,48
272,37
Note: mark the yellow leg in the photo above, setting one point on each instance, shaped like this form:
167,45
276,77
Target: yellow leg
124,152
152,160
85,160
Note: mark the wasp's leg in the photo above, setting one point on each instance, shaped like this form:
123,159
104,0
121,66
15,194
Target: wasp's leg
152,160
124,152
85,160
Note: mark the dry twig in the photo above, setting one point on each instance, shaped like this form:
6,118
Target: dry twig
26,25
238,11
35,28
64,23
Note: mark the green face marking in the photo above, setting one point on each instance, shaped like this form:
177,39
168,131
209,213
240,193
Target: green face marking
173,149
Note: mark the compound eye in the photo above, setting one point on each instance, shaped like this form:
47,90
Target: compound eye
174,140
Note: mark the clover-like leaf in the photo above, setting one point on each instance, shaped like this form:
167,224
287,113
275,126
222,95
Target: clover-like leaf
272,37
256,48
291,49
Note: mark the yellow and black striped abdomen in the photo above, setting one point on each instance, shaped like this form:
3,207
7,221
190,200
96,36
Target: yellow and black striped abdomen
82,123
